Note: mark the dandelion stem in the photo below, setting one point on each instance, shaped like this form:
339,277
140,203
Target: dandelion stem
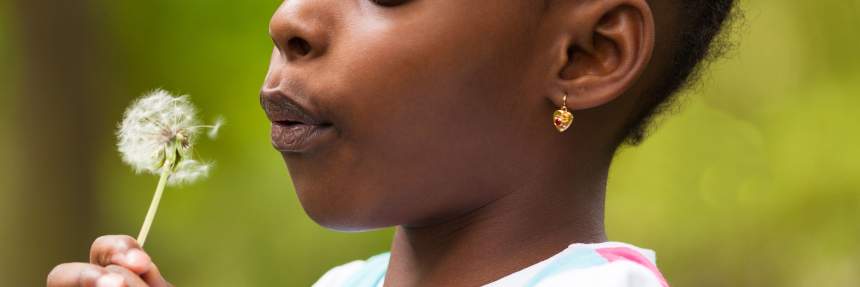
153,207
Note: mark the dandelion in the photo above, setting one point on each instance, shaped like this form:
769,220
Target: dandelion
156,136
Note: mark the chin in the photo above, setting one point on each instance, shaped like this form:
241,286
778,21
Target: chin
342,210
337,220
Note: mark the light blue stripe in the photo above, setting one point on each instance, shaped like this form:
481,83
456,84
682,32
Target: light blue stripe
371,273
576,258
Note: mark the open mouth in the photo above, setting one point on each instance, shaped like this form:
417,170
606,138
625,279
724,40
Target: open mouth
289,123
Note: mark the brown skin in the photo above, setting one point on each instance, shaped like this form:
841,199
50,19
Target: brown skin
112,257
443,118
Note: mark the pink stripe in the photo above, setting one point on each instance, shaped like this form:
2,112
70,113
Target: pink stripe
623,253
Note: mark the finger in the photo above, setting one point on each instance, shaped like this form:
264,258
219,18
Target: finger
154,278
110,280
75,274
130,278
107,246
121,250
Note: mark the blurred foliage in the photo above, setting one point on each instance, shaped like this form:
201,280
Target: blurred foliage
752,182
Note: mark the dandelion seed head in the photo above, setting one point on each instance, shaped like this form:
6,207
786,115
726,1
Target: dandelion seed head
188,171
161,128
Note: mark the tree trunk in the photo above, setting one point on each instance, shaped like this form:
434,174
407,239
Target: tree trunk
56,104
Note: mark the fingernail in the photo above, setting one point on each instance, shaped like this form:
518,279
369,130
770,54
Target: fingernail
110,280
90,274
136,257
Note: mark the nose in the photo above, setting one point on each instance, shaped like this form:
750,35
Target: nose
298,29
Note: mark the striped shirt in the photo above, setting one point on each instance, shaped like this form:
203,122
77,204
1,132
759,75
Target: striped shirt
607,264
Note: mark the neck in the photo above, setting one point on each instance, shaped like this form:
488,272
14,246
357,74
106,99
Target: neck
524,227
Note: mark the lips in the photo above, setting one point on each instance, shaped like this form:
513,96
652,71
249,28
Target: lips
294,127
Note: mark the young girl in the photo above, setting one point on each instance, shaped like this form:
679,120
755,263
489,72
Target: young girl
482,129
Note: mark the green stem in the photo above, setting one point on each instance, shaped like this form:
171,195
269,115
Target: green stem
153,207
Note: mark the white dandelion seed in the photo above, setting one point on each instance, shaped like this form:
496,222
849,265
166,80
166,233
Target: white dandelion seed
156,136
213,132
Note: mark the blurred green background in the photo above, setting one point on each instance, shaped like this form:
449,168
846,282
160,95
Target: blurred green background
753,181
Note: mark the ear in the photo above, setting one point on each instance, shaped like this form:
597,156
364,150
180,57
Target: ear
603,47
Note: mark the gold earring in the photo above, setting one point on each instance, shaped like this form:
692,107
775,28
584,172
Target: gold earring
562,118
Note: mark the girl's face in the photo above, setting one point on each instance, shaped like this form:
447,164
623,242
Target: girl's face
417,110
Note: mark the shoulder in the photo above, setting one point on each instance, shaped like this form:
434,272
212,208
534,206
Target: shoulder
609,264
356,273
612,274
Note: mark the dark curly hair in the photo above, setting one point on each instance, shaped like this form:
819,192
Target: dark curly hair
699,41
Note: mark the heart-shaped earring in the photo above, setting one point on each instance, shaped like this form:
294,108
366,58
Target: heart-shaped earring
562,118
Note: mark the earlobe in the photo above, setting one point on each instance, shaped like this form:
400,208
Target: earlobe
609,49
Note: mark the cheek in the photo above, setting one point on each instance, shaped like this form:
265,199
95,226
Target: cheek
450,81
420,108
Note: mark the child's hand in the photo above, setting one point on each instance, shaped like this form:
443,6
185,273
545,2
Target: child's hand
115,260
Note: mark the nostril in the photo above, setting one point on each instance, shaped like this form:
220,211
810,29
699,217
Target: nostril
299,46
